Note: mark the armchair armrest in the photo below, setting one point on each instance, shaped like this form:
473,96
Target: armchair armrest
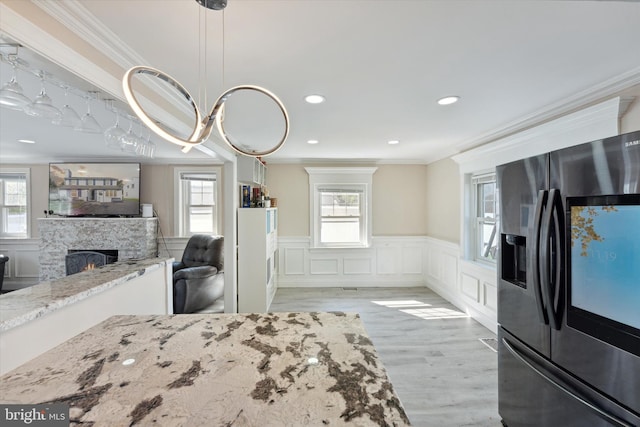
198,272
178,265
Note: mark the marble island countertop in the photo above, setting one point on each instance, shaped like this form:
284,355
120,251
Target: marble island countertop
276,369
24,305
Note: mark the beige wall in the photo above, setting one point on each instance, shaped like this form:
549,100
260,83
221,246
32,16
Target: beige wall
443,214
290,185
399,199
156,187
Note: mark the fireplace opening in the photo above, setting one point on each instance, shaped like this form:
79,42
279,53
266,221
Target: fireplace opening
78,260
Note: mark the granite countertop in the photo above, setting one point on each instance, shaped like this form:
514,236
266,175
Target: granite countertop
276,369
23,305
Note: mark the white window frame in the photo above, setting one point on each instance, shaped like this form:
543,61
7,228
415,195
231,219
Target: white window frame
181,206
27,173
350,179
479,222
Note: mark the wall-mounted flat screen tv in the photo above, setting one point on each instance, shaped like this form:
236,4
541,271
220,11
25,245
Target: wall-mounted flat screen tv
94,189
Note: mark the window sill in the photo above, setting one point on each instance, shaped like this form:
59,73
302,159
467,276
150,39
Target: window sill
480,265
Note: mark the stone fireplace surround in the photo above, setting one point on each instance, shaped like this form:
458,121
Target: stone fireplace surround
131,237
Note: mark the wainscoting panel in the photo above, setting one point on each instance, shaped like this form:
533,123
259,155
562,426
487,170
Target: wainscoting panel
483,305
435,264
386,260
449,267
26,265
469,286
357,266
23,268
490,296
294,261
412,259
324,266
389,262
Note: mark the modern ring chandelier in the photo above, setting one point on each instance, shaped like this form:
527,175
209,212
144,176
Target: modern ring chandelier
203,125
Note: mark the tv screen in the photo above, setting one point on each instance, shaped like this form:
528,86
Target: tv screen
94,189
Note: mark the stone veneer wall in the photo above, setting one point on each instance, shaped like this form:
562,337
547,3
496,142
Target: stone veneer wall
131,237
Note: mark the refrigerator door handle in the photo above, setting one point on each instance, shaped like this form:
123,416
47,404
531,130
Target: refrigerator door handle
556,290
563,387
551,252
535,254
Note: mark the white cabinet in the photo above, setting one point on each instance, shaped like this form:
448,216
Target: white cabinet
257,258
251,170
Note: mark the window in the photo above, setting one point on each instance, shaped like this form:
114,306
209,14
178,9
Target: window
198,201
341,215
340,206
14,197
486,217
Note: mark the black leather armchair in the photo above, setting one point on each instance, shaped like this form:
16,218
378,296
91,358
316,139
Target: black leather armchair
198,280
3,261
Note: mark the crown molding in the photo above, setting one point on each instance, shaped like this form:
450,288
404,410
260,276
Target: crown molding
597,92
598,121
73,15
45,44
348,162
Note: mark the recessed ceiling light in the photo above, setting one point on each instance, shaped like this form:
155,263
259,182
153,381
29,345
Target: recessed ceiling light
27,141
314,99
312,141
448,100
394,142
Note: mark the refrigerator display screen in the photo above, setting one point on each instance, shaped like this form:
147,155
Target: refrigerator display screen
604,264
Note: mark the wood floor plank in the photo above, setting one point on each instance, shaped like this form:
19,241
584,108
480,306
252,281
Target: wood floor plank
442,372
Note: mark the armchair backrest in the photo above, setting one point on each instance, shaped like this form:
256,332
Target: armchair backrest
203,249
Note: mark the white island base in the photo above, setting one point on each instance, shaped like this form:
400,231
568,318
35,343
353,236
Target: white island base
36,319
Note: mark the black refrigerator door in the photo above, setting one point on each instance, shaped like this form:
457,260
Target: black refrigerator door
522,187
586,172
537,393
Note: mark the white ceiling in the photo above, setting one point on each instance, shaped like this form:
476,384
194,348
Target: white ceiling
380,64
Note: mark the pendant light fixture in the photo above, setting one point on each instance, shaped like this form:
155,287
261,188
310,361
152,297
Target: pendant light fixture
204,123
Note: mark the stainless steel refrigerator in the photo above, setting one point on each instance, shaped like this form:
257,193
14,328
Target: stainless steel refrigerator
569,286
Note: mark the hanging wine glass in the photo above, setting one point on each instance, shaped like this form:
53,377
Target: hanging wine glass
141,148
69,117
42,106
88,123
129,141
12,95
151,147
113,135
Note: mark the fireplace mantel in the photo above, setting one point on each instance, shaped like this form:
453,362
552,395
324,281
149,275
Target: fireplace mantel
131,237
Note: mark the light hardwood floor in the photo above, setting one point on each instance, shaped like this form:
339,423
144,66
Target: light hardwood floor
442,372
